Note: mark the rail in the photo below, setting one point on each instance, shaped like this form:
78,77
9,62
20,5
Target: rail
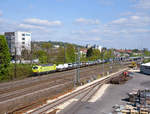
59,101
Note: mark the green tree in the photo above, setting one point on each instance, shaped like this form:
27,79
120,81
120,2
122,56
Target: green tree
89,52
135,50
59,56
48,49
146,52
108,54
93,54
4,57
41,55
25,54
70,53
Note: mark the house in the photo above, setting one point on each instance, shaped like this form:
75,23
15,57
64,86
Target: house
83,51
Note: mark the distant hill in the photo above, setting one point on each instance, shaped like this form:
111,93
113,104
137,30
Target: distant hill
57,43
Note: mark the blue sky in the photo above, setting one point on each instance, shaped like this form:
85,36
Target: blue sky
110,23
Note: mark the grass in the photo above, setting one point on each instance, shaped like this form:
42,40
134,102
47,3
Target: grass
22,71
146,61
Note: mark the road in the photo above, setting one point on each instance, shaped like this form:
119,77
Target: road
114,94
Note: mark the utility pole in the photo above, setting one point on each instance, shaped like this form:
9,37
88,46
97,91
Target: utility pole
31,56
77,77
64,53
111,63
15,68
103,62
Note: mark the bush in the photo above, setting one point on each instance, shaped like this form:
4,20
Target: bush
22,71
4,58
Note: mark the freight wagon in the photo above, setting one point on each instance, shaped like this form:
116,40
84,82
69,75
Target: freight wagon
145,68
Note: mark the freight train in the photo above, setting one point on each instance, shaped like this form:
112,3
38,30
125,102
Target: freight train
44,69
48,68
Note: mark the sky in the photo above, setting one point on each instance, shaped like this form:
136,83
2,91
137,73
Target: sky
109,23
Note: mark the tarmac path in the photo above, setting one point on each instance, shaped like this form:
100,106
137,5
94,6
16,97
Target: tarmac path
114,94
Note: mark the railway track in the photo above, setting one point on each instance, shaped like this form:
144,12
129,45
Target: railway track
32,80
50,106
47,84
38,80
41,86
57,82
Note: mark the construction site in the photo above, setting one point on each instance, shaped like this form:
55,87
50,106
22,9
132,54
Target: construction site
120,89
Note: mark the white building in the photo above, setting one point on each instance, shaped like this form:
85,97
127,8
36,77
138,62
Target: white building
56,46
98,47
88,46
145,68
19,40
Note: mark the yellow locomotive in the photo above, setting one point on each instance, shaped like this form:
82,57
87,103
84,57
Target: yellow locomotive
39,69
133,64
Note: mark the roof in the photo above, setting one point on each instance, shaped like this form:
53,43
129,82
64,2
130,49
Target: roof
83,50
47,65
146,64
124,51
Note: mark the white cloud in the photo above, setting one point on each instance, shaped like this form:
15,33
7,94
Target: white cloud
140,31
79,32
106,2
135,17
95,39
95,31
1,13
144,4
119,21
36,21
87,21
131,21
28,26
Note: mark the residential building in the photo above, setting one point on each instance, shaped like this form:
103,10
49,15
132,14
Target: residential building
94,46
18,41
83,51
56,46
88,46
97,47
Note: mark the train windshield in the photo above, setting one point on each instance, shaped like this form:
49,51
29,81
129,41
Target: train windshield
35,67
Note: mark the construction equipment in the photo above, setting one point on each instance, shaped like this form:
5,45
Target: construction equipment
133,64
122,78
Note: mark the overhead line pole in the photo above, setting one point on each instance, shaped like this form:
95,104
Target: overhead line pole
64,53
15,69
77,76
103,63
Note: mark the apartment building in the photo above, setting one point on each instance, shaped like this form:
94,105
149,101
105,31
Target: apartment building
18,40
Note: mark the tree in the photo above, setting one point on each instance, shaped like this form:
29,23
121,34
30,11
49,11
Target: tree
107,54
93,54
135,50
4,57
25,54
41,55
48,49
70,53
146,52
89,52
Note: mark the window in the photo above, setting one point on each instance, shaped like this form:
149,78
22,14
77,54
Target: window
23,47
35,67
23,34
23,38
27,34
23,42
